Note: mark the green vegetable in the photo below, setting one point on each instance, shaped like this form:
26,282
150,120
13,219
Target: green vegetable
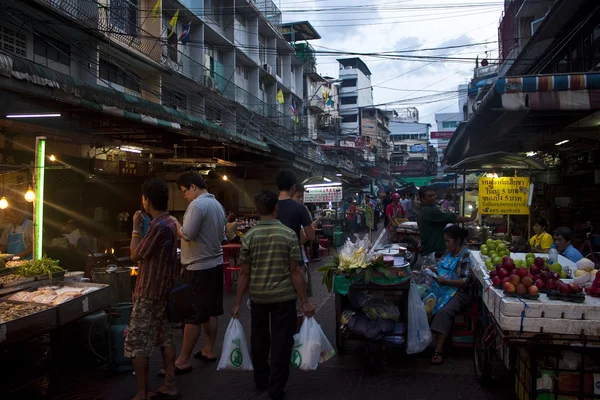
45,266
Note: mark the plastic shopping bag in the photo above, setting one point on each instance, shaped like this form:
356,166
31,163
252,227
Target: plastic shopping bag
419,334
311,346
235,353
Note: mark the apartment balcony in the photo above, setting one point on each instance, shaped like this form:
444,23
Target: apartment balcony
114,22
317,105
270,11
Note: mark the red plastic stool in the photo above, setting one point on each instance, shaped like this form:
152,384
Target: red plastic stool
324,243
228,271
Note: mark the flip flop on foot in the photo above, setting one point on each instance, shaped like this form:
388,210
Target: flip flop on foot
166,396
202,357
437,359
178,371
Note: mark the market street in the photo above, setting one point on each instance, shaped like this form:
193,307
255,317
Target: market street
343,377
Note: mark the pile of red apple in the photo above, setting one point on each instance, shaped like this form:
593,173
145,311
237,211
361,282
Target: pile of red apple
594,290
513,279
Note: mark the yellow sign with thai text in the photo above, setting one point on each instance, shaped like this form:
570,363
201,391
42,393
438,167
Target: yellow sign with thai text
508,196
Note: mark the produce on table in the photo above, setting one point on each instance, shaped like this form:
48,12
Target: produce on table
11,311
45,266
585,264
14,264
11,278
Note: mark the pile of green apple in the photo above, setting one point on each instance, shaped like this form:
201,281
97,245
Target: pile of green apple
527,263
495,250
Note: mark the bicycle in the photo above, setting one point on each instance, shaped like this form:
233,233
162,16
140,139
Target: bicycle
592,242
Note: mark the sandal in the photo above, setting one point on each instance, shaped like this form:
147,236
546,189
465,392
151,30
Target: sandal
178,371
440,356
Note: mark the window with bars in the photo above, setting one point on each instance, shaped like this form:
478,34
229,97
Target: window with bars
174,99
113,73
125,16
262,48
348,100
13,42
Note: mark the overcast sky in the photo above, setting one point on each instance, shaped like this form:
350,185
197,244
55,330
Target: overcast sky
377,26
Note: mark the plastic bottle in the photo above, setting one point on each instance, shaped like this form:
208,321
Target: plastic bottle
553,255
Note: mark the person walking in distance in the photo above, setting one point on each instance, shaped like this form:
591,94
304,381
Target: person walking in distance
148,324
202,260
269,259
295,216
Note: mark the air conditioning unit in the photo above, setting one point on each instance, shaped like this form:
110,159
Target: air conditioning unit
536,24
268,68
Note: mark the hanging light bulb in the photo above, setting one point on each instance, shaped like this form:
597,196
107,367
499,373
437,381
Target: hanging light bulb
3,203
225,177
52,158
30,195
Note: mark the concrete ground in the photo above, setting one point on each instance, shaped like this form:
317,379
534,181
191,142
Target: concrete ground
32,375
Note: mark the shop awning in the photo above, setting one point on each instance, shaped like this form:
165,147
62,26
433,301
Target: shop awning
417,181
530,113
498,160
66,89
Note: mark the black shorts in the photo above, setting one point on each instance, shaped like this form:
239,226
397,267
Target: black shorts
207,293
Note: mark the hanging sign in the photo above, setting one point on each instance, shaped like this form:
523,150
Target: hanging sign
508,196
128,168
323,194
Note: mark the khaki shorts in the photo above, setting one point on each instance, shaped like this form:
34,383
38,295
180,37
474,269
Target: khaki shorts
308,283
148,328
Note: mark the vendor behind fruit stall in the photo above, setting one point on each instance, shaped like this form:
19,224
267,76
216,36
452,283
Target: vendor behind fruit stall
562,240
452,288
432,221
542,240
17,238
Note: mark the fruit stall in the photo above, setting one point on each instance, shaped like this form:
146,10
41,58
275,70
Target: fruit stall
542,321
371,284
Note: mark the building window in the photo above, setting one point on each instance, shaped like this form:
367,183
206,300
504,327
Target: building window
349,118
262,49
125,16
349,83
279,65
51,50
174,99
240,18
449,124
348,100
396,148
13,42
113,73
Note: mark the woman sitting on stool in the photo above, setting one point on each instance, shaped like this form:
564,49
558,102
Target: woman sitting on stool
452,288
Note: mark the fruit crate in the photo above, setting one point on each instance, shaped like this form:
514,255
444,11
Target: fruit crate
557,373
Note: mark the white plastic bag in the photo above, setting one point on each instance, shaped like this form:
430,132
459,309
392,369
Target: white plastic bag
235,353
311,346
419,333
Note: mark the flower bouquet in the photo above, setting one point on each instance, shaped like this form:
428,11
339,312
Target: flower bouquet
354,260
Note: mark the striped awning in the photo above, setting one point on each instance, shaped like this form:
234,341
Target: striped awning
549,92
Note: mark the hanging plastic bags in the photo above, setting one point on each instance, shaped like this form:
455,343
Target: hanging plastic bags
311,346
235,353
419,333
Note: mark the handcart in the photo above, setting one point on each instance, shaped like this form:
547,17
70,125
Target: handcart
551,348
391,291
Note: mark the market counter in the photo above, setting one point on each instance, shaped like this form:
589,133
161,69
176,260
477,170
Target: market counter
537,316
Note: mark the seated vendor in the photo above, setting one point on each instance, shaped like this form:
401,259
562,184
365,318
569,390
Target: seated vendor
453,287
542,240
231,229
17,238
562,240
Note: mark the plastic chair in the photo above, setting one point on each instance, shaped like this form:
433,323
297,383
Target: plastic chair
464,329
229,267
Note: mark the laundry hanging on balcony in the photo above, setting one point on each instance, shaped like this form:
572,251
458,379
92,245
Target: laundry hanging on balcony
279,97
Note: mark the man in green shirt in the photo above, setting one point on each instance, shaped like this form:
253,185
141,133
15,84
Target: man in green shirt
269,257
432,222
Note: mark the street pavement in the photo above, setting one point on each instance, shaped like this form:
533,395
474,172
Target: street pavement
343,377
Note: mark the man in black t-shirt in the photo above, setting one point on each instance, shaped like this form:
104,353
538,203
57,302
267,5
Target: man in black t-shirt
295,216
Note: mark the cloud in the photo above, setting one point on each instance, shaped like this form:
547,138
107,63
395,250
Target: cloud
400,26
